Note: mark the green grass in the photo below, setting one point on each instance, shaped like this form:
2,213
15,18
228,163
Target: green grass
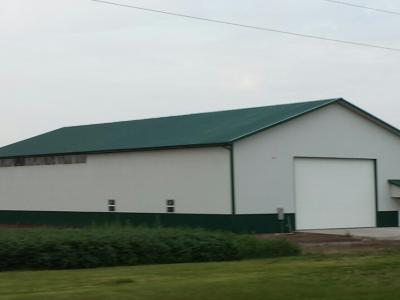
369,276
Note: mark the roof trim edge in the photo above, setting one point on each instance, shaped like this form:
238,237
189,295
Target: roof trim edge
370,116
340,101
190,146
335,100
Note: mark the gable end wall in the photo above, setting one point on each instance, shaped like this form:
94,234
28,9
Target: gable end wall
264,162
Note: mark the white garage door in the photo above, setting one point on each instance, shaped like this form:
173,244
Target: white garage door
334,193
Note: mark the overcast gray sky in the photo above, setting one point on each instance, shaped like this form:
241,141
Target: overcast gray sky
70,62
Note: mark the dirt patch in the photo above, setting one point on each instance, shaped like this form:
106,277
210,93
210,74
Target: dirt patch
302,237
330,243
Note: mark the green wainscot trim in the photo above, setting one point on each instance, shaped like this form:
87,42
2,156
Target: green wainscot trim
264,223
255,223
387,218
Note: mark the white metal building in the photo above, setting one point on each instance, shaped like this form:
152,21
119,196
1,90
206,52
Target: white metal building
310,165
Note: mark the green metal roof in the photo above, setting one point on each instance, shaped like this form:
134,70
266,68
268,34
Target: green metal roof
212,128
395,182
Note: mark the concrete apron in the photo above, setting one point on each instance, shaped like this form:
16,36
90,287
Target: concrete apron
386,233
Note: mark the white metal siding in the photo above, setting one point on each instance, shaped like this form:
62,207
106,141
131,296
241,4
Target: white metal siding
198,180
264,177
334,193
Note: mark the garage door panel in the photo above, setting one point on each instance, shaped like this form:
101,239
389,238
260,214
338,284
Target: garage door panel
334,193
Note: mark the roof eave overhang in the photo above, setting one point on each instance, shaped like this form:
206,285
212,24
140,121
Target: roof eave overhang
177,147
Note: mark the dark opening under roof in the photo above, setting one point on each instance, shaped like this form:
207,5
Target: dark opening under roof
212,128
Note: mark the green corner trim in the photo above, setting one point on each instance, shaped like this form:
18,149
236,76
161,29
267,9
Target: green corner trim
232,162
387,218
255,223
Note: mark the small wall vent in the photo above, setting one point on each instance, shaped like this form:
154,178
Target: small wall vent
111,205
170,205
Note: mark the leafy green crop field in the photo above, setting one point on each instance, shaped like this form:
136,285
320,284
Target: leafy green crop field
368,276
109,246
